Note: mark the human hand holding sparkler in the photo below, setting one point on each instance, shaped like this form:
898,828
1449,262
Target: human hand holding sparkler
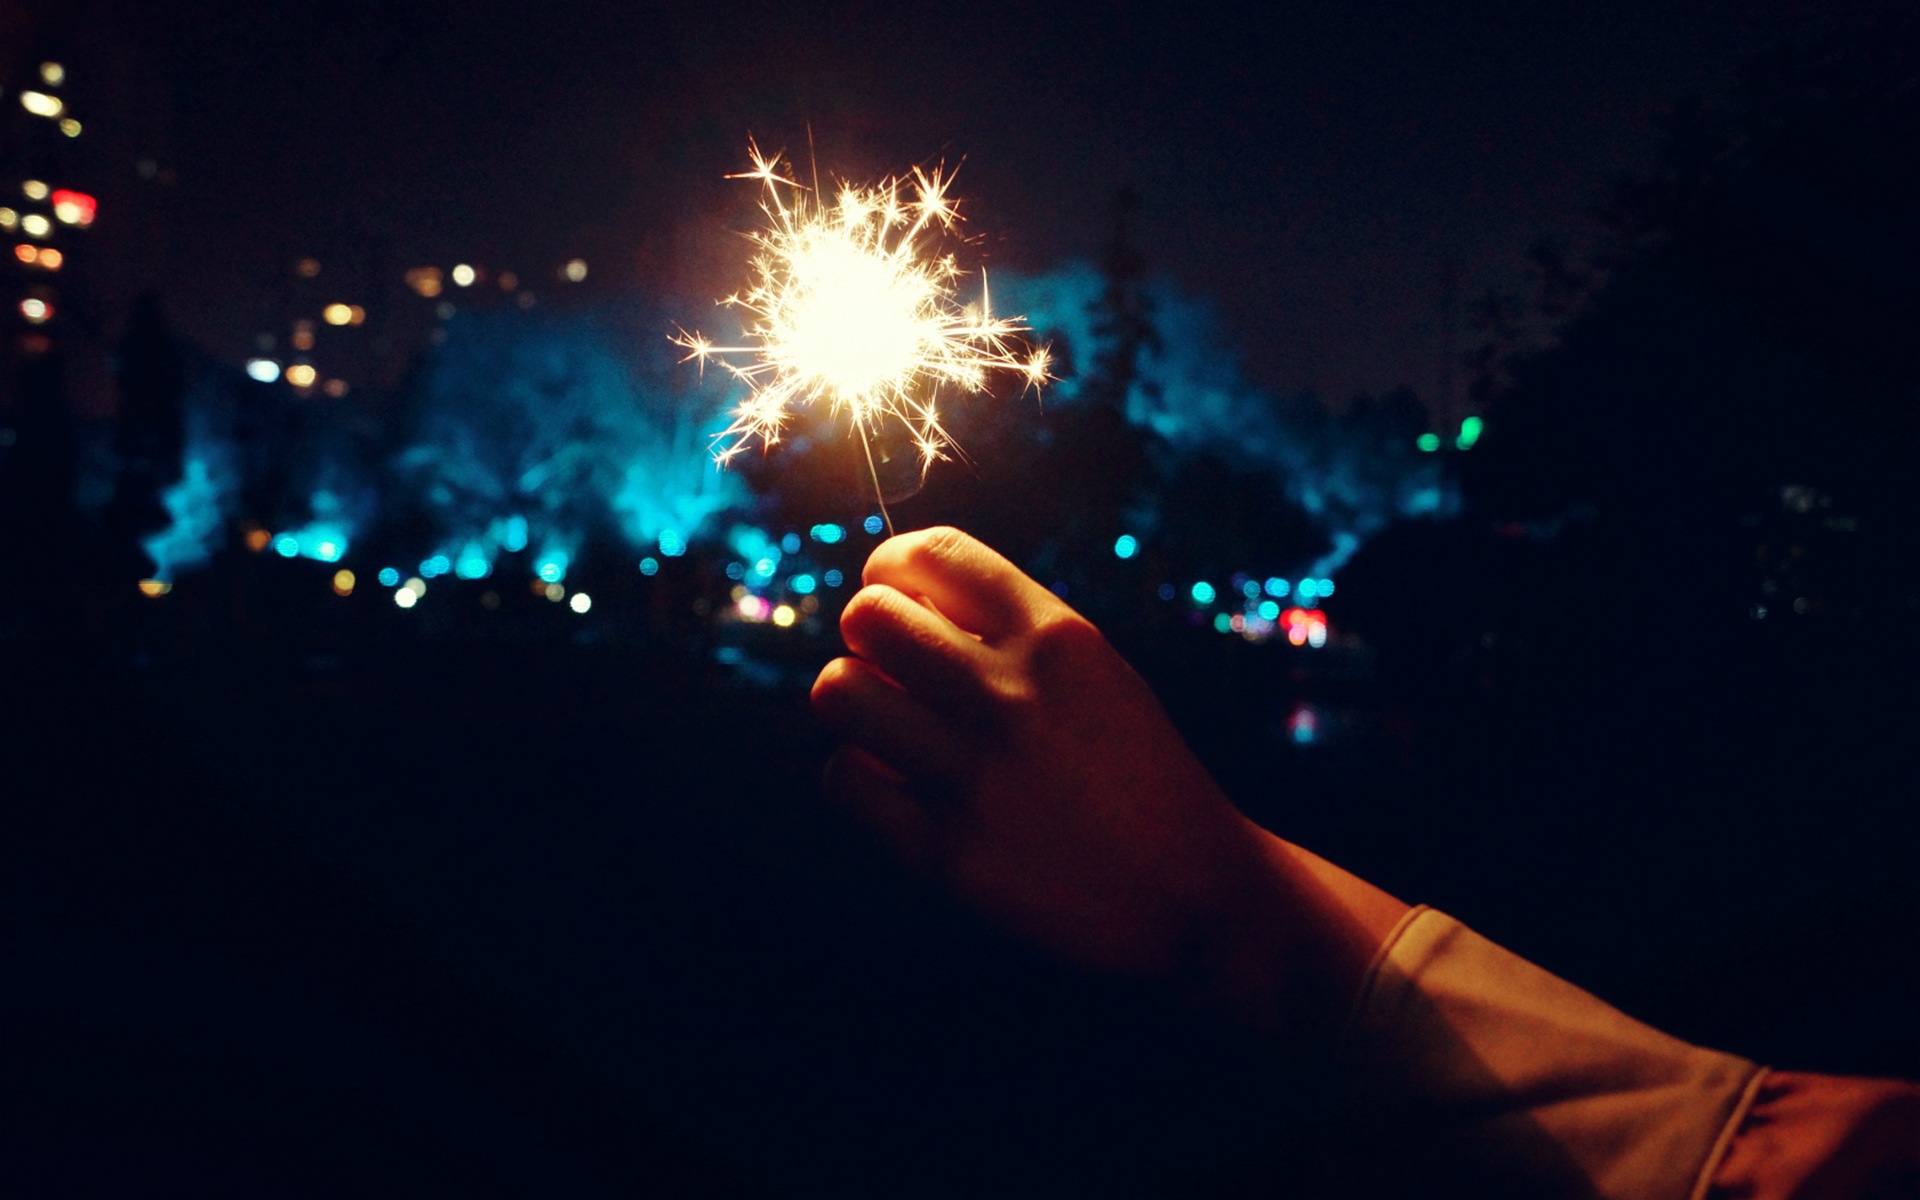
998,744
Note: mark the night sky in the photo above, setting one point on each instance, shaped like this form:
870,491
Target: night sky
1313,173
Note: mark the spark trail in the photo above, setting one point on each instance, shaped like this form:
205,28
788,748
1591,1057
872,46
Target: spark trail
854,302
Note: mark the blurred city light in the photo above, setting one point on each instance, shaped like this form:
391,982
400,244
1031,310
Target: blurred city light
335,388
1428,442
49,259
406,597
34,189
581,602
26,253
802,585
302,375
35,310
575,270
463,275
1126,546
8,218
42,105
833,578
1278,587
343,582
53,74
336,314
828,534
1202,593
649,566
425,281
307,268
783,616
70,127
873,524
74,208
1470,430
389,577
265,370
555,592
155,587
36,225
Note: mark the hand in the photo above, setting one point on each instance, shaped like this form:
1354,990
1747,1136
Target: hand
998,744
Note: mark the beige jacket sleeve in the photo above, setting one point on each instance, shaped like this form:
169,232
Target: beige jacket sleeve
1500,1079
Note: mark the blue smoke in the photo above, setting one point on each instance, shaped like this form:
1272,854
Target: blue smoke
539,433
1352,475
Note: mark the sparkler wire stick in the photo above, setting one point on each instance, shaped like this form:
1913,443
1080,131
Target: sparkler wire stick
852,302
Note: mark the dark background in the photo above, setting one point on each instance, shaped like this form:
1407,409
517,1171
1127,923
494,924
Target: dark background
306,895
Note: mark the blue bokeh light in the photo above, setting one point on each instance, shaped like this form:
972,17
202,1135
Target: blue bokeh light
1126,546
389,577
649,566
873,524
834,578
1202,593
802,585
829,534
1277,587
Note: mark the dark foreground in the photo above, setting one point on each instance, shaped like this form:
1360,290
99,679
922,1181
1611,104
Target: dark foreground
542,917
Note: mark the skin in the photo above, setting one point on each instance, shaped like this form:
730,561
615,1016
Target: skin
999,746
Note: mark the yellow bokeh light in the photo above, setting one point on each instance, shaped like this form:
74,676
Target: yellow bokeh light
67,212
425,281
258,539
8,218
35,189
70,127
36,225
307,268
343,582
463,276
50,259
405,598
575,270
581,602
52,74
783,615
555,592
302,375
42,105
336,314
155,587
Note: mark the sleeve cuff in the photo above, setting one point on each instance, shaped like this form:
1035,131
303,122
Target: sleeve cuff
1505,1079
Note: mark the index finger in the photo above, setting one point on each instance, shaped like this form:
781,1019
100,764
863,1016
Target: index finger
966,580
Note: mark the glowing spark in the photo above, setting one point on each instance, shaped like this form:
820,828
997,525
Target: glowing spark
851,301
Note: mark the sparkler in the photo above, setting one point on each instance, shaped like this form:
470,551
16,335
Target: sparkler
853,302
